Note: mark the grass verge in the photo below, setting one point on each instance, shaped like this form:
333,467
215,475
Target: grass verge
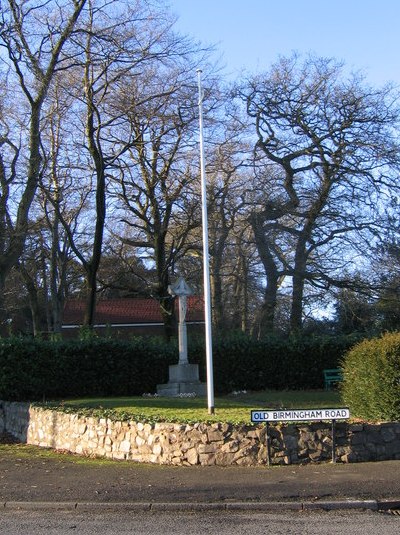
232,409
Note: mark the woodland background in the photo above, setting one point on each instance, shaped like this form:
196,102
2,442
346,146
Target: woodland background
100,177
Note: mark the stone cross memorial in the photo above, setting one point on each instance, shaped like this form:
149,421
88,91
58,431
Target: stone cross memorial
183,377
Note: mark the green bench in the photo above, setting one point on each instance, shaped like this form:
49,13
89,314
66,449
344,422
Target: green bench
332,377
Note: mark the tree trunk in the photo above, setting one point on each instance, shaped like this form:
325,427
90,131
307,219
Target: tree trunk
296,313
34,306
91,286
3,311
240,309
57,291
167,305
216,296
299,273
266,319
33,298
95,150
267,313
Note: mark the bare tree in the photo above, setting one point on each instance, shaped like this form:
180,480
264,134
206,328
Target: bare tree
91,127
32,38
154,188
225,184
112,46
332,144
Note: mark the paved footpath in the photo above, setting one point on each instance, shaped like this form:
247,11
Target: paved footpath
31,478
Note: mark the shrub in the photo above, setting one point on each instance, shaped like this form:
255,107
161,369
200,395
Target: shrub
33,369
371,386
27,367
36,369
294,363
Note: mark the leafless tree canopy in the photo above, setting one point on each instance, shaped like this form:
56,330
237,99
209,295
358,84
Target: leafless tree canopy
99,172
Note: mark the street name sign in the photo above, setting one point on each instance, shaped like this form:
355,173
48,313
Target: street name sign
299,415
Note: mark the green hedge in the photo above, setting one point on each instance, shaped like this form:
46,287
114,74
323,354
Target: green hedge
34,369
371,386
294,363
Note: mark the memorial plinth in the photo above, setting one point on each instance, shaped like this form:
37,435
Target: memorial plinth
183,377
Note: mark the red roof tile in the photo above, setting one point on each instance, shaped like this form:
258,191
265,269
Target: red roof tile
128,311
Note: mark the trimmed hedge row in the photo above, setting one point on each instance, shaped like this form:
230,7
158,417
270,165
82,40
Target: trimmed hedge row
371,386
294,363
34,369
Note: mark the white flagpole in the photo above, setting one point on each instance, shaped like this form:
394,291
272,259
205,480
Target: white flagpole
206,262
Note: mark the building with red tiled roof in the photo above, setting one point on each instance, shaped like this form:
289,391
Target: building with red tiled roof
129,317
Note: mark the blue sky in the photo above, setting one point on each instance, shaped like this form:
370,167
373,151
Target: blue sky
252,34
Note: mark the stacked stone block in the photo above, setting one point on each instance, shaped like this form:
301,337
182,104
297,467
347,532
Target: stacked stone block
199,443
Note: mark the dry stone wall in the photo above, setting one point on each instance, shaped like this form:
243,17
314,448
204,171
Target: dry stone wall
216,444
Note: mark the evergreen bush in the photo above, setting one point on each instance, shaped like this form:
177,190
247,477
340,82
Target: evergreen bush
371,386
33,369
292,363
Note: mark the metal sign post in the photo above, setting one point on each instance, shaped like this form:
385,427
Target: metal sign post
334,441
267,439
300,415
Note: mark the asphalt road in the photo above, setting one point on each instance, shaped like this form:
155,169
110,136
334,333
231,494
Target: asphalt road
170,523
32,474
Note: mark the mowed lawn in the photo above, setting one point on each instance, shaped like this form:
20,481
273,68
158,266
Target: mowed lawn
233,408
